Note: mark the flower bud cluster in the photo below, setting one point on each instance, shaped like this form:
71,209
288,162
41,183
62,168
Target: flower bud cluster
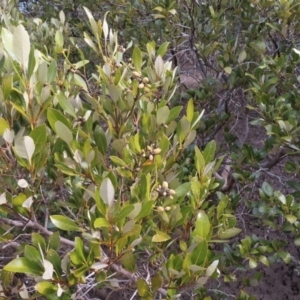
150,152
143,81
164,190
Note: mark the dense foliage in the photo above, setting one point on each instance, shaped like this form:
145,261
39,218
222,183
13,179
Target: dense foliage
110,169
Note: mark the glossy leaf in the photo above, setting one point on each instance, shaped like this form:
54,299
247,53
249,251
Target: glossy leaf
64,223
45,288
21,45
65,104
160,237
137,59
54,241
23,265
107,192
101,222
229,233
25,147
202,225
39,136
63,132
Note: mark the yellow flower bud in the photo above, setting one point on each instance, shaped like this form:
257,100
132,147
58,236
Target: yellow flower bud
172,192
141,86
145,80
156,151
160,209
165,185
136,74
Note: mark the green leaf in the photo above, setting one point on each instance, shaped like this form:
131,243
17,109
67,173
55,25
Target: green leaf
39,160
209,151
38,241
290,167
54,115
6,278
31,62
202,226
64,223
107,192
242,56
143,288
128,262
159,66
135,211
124,173
280,197
137,59
162,115
146,210
182,190
229,233
291,218
65,104
101,222
163,49
125,211
45,288
39,136
32,254
115,92
48,270
23,265
21,46
3,125
7,39
100,139
160,237
92,21
79,81
54,241
174,113
156,282
25,147
252,263
297,241
228,70
59,41
52,71
118,161
199,253
212,268
79,249
190,110
199,160
259,46
267,189
264,260
63,132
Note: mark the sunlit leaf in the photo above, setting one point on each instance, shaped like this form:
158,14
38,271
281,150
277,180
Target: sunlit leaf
48,274
64,223
25,147
160,237
63,132
107,191
229,233
212,268
21,45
